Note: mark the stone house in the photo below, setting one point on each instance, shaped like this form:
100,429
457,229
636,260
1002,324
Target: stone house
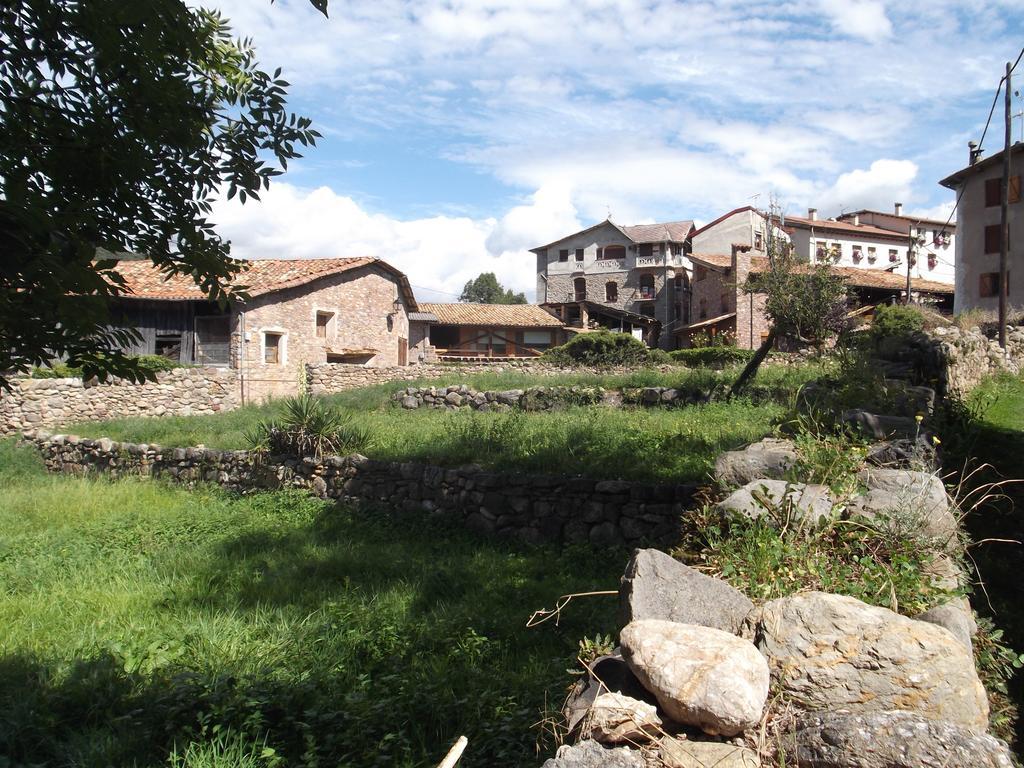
352,310
934,256
467,331
979,189
637,271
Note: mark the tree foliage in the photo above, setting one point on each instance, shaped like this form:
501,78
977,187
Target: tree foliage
120,124
486,289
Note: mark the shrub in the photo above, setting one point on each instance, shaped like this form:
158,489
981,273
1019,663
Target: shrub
601,348
711,357
309,427
147,364
896,320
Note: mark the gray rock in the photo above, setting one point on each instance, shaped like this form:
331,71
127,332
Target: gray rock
778,501
605,674
903,454
770,458
684,753
616,719
657,586
880,426
590,754
914,501
834,652
891,739
956,616
409,402
453,398
700,676
509,397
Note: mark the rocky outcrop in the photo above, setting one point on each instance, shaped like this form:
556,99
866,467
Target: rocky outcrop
701,676
891,739
770,458
835,652
778,501
657,586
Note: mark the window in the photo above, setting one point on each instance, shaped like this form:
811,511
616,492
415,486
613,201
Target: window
579,287
703,309
677,249
724,298
679,282
661,249
988,284
894,255
611,291
647,287
168,346
323,319
836,251
272,348
537,339
872,254
563,255
758,241
933,261
646,250
613,252
994,191
858,253
579,254
647,310
993,238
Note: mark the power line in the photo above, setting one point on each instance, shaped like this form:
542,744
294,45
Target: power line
435,290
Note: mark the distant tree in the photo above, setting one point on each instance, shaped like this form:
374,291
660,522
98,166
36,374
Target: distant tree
487,290
120,124
803,301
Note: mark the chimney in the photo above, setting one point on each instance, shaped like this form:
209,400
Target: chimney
973,153
812,214
856,219
898,207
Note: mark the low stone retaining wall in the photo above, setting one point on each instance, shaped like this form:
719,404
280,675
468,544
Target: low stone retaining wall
32,403
462,396
532,508
965,358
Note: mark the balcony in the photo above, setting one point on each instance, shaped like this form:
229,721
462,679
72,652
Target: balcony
647,293
578,296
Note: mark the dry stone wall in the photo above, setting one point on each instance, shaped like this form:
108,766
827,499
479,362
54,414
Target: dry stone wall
33,403
532,508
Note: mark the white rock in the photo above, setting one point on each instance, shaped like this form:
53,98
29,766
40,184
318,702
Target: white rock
615,719
700,676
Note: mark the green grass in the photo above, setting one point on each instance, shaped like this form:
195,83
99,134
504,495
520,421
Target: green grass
657,444
146,625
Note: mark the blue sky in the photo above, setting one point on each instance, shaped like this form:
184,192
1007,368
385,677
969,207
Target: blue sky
458,134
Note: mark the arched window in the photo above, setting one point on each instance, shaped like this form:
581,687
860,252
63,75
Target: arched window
579,286
612,252
647,287
611,291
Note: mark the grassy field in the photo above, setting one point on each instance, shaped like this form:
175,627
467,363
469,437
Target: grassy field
656,444
143,623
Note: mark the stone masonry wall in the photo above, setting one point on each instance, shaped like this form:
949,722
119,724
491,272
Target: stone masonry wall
33,403
532,508
964,358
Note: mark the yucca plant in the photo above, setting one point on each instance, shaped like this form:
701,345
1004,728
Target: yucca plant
308,427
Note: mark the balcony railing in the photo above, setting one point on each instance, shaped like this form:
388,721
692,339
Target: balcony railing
647,293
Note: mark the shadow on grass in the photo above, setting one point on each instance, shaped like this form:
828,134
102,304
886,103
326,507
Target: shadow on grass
390,637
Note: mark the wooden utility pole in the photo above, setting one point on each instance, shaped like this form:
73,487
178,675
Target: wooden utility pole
1004,217
911,241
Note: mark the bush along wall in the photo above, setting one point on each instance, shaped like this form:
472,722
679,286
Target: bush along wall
532,508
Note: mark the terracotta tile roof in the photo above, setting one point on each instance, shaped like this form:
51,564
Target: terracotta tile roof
676,231
904,217
260,276
844,227
497,315
878,278
722,261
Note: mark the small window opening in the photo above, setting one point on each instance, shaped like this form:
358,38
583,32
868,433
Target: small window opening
272,348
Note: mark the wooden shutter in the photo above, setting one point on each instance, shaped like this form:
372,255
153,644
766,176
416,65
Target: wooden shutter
993,238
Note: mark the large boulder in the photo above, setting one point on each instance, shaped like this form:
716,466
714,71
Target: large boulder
834,652
891,740
956,616
618,719
684,753
700,676
880,426
770,458
778,500
914,501
590,754
657,586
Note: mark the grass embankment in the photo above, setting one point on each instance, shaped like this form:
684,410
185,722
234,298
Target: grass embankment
656,444
142,620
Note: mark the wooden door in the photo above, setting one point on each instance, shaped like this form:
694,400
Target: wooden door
403,351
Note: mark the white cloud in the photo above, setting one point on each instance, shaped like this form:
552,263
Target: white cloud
549,215
439,254
878,187
859,18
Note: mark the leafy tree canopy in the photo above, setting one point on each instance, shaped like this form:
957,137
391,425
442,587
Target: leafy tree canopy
487,290
120,123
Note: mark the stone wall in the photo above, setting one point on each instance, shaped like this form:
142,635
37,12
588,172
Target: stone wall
462,396
966,358
32,403
532,508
